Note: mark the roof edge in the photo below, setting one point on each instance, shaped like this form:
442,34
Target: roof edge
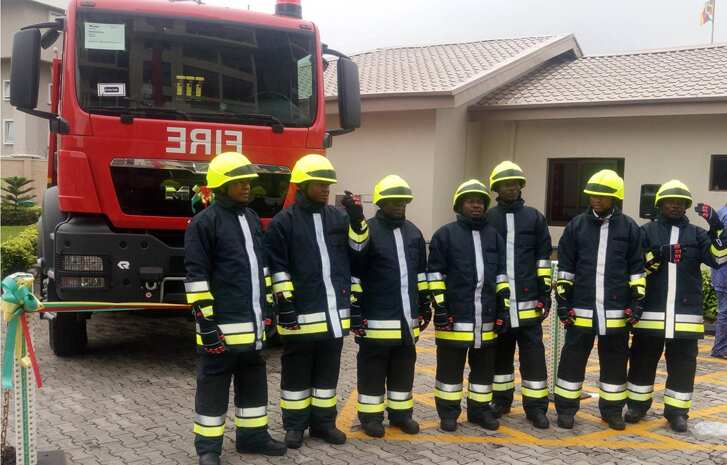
554,42
592,103
649,51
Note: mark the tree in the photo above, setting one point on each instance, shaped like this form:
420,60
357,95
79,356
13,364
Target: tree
15,191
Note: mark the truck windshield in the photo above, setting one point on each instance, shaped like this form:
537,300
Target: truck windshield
180,68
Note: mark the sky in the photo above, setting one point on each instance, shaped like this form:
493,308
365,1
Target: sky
600,26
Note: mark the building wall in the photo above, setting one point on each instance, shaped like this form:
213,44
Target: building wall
31,133
389,143
655,149
37,170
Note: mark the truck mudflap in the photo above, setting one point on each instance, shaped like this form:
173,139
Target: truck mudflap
92,262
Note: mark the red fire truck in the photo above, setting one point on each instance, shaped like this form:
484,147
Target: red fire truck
145,93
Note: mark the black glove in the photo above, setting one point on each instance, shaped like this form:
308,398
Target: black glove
708,213
358,324
634,313
287,316
442,319
563,293
425,311
653,260
354,209
213,341
635,310
544,305
502,311
671,252
566,315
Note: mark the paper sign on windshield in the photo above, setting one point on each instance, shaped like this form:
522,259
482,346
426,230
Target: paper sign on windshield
102,36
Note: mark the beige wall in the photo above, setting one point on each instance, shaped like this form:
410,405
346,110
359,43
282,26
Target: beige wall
31,133
655,149
37,170
389,143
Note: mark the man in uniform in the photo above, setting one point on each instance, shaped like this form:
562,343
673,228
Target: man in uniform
389,308
308,245
600,281
672,316
527,260
226,285
471,298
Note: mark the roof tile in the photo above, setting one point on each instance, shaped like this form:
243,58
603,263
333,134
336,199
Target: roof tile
430,68
685,73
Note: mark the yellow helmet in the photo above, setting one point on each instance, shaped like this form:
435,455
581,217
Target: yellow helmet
229,166
606,183
469,187
313,167
673,189
392,187
506,171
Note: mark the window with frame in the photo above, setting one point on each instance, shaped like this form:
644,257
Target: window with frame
718,173
8,132
6,89
566,179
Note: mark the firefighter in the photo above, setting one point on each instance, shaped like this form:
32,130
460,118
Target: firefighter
226,286
672,316
600,280
390,306
527,260
308,245
471,298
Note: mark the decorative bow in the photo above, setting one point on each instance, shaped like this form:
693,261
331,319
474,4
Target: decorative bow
17,301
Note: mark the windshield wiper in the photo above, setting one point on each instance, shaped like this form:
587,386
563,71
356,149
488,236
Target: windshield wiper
136,111
254,118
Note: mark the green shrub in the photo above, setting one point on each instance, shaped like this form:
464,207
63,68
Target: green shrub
20,252
19,216
710,297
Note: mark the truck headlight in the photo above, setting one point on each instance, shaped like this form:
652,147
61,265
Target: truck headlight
82,263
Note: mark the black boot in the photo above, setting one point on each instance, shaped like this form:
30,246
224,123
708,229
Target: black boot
499,410
634,416
566,421
678,423
538,419
448,424
373,428
488,421
615,422
407,425
332,435
294,439
270,447
209,459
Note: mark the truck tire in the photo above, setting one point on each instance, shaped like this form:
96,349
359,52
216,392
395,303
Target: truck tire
67,331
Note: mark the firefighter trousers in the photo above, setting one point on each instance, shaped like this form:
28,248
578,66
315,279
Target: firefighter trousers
612,356
681,366
534,374
448,390
214,373
308,379
385,380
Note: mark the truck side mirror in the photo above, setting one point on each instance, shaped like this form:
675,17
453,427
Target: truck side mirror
349,94
25,69
647,209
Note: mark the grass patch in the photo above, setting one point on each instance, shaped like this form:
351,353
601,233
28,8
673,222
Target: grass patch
8,232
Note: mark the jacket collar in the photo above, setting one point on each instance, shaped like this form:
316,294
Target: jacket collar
602,219
306,204
469,223
510,207
680,223
389,222
230,205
